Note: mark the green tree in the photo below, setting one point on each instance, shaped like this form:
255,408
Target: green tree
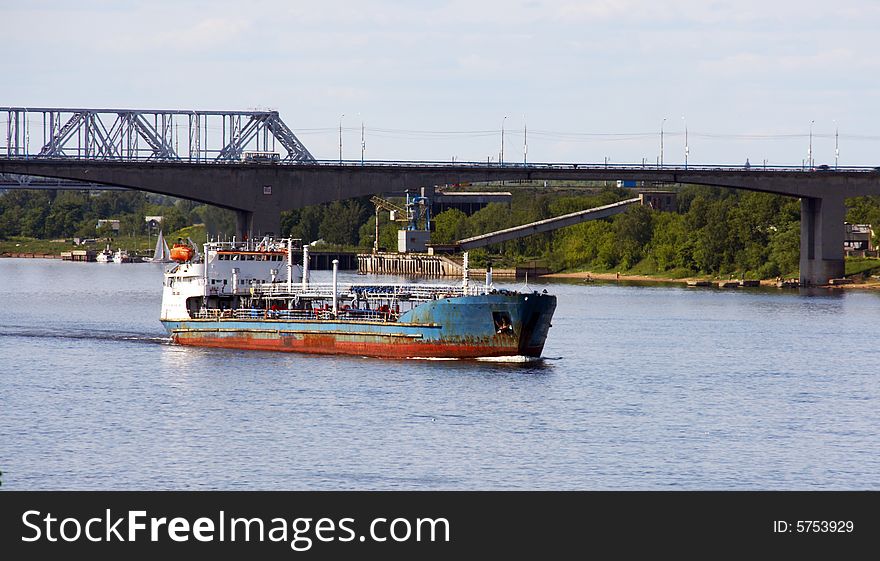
305,223
785,250
218,221
387,233
449,226
341,222
633,230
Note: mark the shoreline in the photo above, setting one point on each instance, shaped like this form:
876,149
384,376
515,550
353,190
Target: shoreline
872,284
30,255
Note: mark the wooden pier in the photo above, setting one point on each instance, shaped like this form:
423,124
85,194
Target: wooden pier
27,255
323,260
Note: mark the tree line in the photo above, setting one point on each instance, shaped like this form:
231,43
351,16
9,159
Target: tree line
715,231
50,214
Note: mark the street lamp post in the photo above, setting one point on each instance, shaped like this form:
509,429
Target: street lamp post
836,144
525,141
810,149
661,140
685,142
363,144
501,159
340,137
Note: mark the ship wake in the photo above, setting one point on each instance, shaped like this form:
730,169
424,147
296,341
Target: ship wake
90,335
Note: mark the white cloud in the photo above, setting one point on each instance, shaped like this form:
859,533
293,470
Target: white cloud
569,65
813,64
206,34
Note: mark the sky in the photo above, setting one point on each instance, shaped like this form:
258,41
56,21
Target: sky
589,80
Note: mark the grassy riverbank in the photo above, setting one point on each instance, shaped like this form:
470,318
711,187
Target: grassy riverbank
143,245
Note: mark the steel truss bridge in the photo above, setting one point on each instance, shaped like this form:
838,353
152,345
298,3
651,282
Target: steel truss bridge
148,135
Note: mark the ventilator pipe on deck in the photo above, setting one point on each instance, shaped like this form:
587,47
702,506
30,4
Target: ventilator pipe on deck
289,264
235,280
464,269
305,279
335,294
488,277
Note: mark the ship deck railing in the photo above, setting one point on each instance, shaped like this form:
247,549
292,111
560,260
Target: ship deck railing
351,314
398,292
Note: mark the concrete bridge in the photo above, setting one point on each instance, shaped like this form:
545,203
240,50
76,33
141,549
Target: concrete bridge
259,188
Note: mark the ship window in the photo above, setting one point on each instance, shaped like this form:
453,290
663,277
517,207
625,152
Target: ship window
502,322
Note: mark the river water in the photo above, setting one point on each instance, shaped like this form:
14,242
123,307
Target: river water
642,387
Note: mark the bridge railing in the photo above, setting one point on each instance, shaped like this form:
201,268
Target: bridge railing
448,165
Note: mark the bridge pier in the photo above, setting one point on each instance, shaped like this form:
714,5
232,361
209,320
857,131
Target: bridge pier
258,223
822,233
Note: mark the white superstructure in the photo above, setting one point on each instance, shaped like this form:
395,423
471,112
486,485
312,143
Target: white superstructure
225,271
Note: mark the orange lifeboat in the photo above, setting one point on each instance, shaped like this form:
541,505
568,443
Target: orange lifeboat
181,253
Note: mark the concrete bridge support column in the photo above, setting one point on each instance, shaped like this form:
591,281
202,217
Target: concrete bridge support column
822,235
256,224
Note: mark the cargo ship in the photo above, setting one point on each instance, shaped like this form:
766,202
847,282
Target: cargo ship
251,295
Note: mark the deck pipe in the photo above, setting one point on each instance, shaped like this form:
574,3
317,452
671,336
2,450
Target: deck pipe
464,268
305,280
289,265
335,299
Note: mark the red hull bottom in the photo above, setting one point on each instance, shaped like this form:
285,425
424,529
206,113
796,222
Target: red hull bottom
328,345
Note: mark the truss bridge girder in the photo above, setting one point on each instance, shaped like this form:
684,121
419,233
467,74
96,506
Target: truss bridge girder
144,135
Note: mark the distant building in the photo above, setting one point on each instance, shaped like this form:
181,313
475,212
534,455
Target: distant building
467,202
113,224
153,222
857,237
664,201
413,241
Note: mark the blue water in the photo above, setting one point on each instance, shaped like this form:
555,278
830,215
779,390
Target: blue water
644,387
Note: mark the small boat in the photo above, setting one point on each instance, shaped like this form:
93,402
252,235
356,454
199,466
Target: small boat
104,256
121,256
161,254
